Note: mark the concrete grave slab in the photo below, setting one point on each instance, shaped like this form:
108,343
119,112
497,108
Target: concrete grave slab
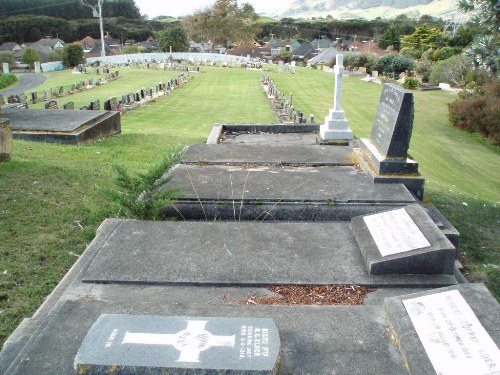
134,344
268,155
140,252
309,335
403,241
448,331
208,192
71,127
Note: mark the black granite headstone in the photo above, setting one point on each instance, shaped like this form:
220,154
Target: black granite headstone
95,105
139,344
52,104
137,97
391,130
69,105
34,96
143,93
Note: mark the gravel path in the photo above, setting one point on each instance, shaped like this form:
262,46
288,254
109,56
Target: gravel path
28,81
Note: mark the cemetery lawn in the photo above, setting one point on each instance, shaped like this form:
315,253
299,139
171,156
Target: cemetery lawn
55,196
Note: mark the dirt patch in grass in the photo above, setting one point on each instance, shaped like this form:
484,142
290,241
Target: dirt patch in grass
312,295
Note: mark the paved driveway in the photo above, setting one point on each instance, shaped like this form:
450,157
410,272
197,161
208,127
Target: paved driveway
27,82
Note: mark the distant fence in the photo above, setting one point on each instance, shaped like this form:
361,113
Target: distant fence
142,57
52,66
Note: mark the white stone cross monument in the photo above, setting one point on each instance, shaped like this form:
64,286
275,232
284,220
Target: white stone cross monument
190,342
336,126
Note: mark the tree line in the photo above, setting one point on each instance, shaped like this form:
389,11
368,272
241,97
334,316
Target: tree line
69,9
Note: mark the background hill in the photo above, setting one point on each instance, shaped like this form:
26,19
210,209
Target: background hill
369,9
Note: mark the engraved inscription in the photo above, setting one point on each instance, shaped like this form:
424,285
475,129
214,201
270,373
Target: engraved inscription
454,339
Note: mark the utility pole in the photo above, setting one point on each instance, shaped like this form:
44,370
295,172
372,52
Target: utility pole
97,13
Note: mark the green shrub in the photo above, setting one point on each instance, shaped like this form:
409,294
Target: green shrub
411,83
365,60
7,80
411,53
445,53
453,71
394,64
479,111
424,68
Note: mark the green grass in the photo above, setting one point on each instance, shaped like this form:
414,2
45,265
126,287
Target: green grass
54,196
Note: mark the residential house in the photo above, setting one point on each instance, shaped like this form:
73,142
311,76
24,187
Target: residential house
304,53
325,57
10,47
200,47
321,44
52,43
369,46
254,50
42,50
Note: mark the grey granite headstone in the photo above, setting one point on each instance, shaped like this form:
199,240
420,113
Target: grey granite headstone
61,90
124,99
391,130
130,98
52,104
403,241
140,344
5,139
69,105
73,87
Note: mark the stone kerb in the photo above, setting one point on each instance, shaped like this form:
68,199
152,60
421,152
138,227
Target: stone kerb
5,139
139,344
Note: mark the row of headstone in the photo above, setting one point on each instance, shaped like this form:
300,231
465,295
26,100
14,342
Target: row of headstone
17,100
132,100
283,105
75,88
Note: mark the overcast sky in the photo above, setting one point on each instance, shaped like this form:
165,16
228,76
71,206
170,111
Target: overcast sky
177,8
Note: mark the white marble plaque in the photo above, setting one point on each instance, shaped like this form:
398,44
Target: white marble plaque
395,232
453,338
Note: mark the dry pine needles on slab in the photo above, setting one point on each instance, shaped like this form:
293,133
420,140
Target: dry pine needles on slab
312,295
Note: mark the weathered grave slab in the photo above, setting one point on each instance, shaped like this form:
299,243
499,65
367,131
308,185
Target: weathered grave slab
310,335
451,330
403,241
134,344
278,193
237,254
71,127
268,155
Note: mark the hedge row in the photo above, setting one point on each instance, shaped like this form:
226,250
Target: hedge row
7,80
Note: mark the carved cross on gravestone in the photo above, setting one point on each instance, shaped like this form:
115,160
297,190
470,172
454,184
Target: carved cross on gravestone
189,342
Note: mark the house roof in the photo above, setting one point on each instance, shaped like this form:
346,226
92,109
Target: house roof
250,49
303,50
50,42
321,43
369,47
325,57
43,51
10,46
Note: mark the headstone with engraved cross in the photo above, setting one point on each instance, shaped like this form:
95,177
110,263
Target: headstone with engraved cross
134,344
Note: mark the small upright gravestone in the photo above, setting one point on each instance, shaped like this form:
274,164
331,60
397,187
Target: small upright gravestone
38,68
69,105
336,129
138,344
385,155
52,104
5,67
5,138
111,104
95,105
391,132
